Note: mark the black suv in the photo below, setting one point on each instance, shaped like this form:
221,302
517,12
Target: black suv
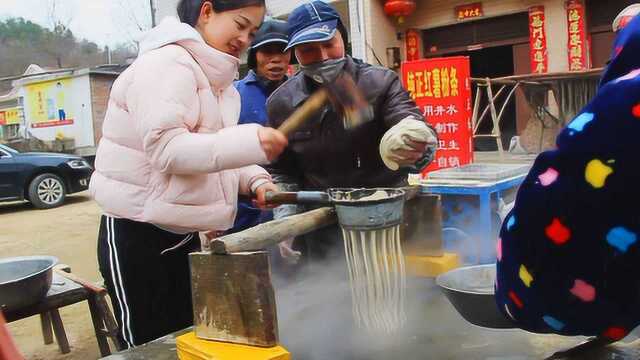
44,179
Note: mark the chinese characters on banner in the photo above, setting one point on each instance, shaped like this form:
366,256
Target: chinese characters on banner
577,44
469,11
442,90
49,104
412,44
538,40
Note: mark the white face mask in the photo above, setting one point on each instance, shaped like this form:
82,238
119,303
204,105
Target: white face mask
327,70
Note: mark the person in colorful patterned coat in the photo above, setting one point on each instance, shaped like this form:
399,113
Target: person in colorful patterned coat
568,253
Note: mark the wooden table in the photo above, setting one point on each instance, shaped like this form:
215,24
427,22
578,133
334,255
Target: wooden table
64,292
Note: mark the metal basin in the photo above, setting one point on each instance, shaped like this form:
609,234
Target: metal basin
24,280
357,211
470,290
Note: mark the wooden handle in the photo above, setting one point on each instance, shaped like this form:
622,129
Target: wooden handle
273,232
299,197
313,104
70,276
276,231
280,198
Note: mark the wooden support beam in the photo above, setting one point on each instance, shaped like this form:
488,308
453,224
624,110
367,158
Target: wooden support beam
494,117
273,232
487,108
506,101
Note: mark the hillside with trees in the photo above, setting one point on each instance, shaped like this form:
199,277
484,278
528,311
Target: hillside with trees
23,42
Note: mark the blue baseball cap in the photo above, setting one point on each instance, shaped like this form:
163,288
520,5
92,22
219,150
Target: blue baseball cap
271,31
312,22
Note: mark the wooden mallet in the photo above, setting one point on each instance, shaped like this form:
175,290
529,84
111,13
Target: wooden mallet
347,100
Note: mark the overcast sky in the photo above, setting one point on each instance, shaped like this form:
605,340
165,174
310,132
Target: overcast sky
105,22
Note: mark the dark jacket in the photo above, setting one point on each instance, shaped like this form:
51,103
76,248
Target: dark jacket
322,154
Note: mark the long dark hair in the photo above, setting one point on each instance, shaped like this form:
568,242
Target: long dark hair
189,10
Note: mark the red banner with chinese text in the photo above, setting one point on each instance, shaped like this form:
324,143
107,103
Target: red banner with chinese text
578,46
442,90
412,44
538,40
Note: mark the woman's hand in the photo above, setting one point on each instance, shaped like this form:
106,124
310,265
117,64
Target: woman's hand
273,142
261,193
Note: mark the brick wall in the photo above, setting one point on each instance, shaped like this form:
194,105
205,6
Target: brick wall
100,90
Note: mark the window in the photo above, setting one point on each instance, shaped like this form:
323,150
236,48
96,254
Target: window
11,131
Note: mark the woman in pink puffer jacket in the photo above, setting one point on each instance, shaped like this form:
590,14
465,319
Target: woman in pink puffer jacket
172,160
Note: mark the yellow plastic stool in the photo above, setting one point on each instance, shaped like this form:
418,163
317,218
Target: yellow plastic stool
191,348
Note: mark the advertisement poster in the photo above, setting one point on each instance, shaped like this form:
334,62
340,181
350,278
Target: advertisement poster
49,103
442,90
11,116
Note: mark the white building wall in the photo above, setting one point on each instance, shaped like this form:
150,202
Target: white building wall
381,32
79,95
165,8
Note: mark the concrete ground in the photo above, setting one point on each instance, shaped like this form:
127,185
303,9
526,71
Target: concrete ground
70,233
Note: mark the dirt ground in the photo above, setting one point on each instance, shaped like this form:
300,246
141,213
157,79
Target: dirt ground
69,233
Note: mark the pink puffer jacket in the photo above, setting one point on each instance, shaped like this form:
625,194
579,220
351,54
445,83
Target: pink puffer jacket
171,152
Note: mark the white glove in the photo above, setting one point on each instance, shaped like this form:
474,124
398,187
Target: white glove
404,143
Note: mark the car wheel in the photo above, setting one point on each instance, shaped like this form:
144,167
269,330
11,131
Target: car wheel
47,191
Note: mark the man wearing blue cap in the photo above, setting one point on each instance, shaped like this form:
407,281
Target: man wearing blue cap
268,62
394,141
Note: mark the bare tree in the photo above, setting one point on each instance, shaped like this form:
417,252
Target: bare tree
62,41
58,17
132,15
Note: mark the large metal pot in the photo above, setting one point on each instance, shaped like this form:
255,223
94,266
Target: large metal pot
470,290
24,280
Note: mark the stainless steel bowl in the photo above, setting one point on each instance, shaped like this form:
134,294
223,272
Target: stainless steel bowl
24,280
357,212
470,290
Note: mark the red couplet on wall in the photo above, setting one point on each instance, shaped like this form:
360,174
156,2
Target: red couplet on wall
578,44
538,40
442,90
412,45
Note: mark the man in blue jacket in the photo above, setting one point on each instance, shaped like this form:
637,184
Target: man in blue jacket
268,63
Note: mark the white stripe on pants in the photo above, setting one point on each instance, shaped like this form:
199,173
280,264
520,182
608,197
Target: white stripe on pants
116,278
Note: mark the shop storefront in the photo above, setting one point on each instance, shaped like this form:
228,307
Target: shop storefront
501,38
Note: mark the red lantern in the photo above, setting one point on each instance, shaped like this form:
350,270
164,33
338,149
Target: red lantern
399,8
